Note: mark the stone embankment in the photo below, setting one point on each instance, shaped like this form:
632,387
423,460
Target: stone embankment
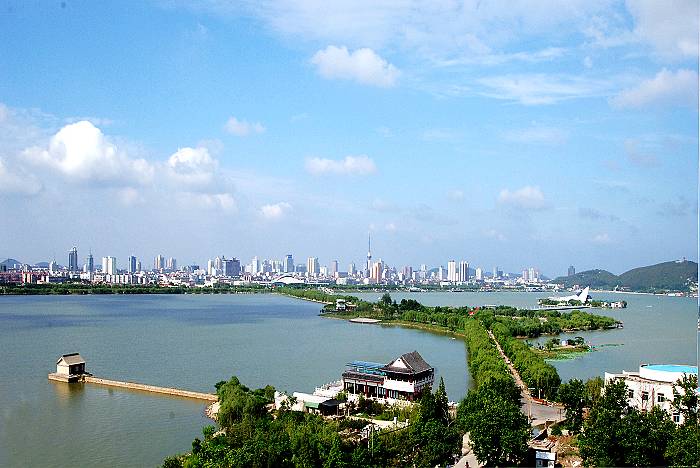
151,388
135,386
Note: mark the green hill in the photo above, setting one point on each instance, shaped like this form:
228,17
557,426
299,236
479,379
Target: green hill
671,276
668,275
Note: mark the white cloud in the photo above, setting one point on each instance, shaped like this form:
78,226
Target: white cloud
493,234
130,196
213,201
18,182
363,66
539,88
192,167
350,165
441,134
526,198
536,134
243,128
669,26
275,211
666,88
602,238
456,195
81,152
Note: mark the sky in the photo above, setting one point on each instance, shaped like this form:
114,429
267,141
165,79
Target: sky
518,133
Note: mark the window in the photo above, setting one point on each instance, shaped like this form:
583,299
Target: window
676,418
660,398
630,393
645,396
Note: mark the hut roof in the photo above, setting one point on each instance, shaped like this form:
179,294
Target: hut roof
71,359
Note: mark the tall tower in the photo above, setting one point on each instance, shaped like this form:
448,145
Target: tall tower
368,271
90,263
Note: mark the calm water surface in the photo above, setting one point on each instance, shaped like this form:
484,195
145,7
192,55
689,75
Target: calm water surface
188,342
194,341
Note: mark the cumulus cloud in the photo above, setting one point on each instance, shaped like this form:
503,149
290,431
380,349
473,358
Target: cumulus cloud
526,198
363,66
81,152
191,167
243,128
350,165
666,88
275,211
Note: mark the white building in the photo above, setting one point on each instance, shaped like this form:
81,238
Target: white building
109,265
479,274
452,271
653,386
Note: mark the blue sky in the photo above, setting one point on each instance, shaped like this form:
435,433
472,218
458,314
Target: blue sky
522,133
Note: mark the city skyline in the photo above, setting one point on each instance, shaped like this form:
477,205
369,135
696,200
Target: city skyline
550,136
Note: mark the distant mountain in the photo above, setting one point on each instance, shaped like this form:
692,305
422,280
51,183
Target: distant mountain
10,263
672,276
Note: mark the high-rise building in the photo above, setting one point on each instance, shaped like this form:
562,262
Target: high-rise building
333,269
312,267
452,271
109,265
138,266
52,267
90,265
377,271
572,271
232,267
352,270
441,273
479,274
171,264
463,271
73,259
288,266
158,263
526,275
255,266
494,274
408,272
534,274
132,264
323,271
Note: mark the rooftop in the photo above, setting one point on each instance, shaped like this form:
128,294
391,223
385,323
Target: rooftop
672,368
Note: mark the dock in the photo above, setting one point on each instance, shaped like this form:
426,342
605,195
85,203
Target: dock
363,320
134,386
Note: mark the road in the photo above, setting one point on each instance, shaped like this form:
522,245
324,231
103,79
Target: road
538,411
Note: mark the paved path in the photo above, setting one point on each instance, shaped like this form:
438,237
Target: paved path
538,411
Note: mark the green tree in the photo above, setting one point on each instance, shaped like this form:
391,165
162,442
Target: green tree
599,442
498,430
573,395
685,398
434,437
684,447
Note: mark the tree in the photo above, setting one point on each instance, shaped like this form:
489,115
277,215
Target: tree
433,435
618,435
685,398
497,428
573,395
599,443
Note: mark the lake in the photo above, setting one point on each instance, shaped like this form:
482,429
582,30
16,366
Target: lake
183,341
192,342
